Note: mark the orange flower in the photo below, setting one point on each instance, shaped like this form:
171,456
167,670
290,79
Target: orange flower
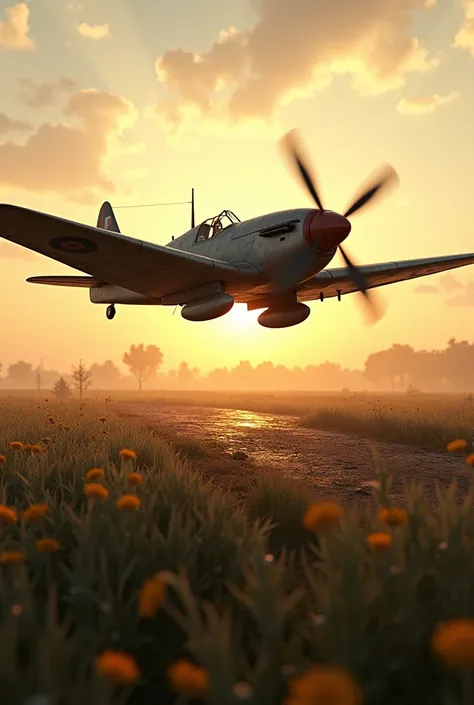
394,516
103,419
321,516
96,491
320,685
12,557
458,444
2,459
127,454
453,642
37,448
16,445
128,501
95,474
188,679
118,666
379,540
35,511
470,459
134,478
151,595
26,448
47,545
8,515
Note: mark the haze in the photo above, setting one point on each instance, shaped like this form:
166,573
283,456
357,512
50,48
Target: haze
139,102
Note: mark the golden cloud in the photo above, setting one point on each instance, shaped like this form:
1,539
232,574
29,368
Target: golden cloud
70,156
464,39
94,31
7,124
14,31
294,48
42,95
425,105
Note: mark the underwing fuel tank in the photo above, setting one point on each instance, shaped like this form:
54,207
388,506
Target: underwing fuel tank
284,316
208,307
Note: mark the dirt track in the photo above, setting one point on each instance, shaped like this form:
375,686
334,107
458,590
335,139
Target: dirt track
334,464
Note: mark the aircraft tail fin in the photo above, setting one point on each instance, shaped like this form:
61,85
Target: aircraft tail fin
107,219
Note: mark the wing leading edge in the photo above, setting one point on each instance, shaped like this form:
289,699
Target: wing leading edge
137,265
331,282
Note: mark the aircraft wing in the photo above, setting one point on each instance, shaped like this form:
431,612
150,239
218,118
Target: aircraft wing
332,281
113,258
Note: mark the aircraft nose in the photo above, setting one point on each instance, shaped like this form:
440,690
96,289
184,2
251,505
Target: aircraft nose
329,230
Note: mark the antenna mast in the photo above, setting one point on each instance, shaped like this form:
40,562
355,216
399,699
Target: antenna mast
192,208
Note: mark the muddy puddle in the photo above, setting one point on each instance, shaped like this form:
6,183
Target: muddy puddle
334,463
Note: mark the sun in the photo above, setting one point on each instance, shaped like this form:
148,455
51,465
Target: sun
239,317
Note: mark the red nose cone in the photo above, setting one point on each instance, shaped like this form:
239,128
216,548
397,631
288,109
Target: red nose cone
326,229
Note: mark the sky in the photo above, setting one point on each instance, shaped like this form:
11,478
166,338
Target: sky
137,102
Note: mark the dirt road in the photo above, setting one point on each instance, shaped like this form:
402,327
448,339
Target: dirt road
334,464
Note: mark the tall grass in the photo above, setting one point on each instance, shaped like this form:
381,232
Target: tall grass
253,598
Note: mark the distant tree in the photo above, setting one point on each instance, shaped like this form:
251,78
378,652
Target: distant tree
82,378
38,377
21,373
143,362
62,389
185,374
106,376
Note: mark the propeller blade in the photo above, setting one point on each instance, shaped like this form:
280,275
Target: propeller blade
373,307
381,180
290,146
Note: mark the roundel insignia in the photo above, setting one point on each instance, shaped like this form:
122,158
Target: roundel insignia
79,245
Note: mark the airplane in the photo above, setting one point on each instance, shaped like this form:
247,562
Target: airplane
274,262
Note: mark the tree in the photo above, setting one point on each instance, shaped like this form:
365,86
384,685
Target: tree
62,390
21,373
38,377
82,378
143,362
106,376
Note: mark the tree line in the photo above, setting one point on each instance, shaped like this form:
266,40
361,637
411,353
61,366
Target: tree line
399,367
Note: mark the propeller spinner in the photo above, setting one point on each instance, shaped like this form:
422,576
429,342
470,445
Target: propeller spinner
331,228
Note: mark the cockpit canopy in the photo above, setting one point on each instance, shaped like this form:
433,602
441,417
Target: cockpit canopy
213,226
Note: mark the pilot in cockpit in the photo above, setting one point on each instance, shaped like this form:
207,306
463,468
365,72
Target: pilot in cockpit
217,227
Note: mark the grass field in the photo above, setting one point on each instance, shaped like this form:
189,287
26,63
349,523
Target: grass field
425,420
158,587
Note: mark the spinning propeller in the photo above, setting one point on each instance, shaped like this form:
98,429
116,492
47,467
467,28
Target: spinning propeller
331,228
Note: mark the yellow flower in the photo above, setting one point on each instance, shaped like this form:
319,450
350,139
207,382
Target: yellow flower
470,459
96,491
134,478
35,511
12,557
151,596
103,419
95,474
118,666
2,459
47,545
128,501
394,516
458,444
322,515
8,515
127,454
379,540
188,679
453,642
16,445
321,685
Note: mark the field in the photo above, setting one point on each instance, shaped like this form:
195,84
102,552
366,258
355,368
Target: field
157,586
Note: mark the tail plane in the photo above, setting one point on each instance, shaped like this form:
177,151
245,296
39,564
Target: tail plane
107,219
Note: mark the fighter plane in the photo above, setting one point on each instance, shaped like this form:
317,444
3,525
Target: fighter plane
274,262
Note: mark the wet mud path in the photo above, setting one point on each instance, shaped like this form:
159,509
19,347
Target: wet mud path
334,464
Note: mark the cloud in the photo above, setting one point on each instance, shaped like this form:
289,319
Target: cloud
294,49
15,29
426,289
94,31
425,105
466,298
70,156
449,283
464,39
42,95
7,124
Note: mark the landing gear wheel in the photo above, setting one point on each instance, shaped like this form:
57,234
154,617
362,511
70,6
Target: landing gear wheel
110,313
